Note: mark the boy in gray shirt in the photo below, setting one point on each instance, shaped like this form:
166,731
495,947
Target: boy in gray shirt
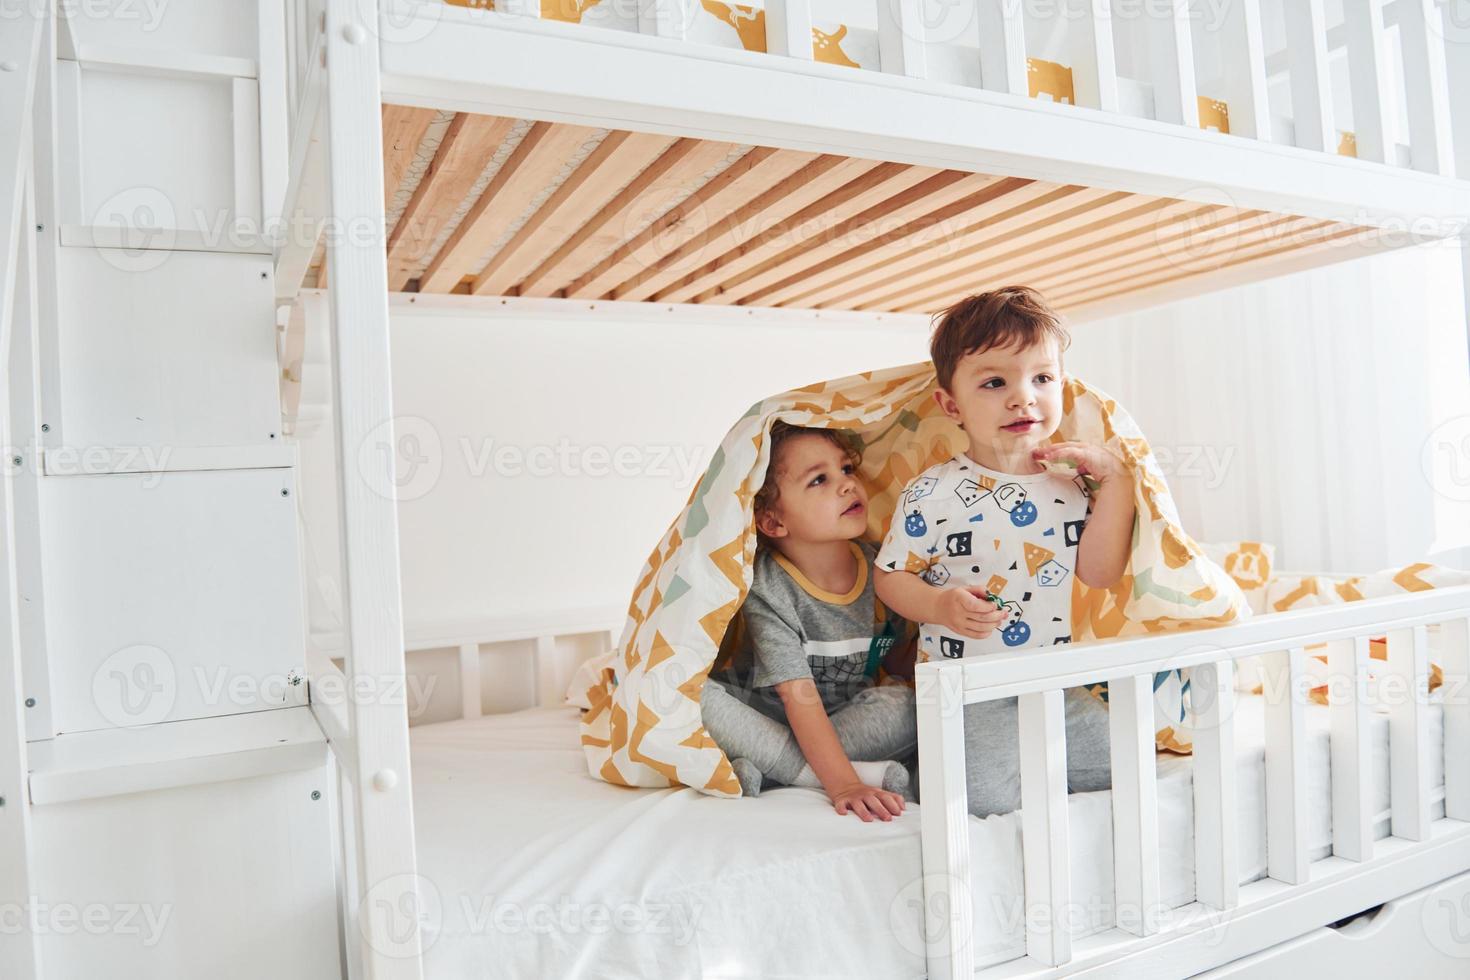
805,708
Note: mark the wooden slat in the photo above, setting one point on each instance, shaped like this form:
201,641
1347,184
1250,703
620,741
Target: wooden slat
1002,46
996,227
465,151
1216,843
618,159
404,127
1344,243
785,228
739,236
901,38
795,211
852,249
1426,86
1068,249
1190,238
1286,765
1311,86
1182,253
682,162
945,825
689,222
1352,750
528,171
1368,77
924,270
1299,242
1454,657
1405,689
1135,804
1045,839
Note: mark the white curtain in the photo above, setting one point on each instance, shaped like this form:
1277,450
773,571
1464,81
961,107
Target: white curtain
1299,410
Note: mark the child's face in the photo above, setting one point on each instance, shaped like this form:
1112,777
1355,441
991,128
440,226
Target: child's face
1009,402
820,497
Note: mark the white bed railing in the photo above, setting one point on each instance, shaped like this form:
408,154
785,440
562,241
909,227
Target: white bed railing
1169,48
1038,679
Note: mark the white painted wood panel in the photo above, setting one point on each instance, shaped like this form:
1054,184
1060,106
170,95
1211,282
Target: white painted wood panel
165,350
170,596
229,880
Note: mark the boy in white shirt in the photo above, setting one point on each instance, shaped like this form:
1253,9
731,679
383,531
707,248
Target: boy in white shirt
1006,518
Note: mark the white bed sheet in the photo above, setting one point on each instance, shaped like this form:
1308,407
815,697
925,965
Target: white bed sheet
533,868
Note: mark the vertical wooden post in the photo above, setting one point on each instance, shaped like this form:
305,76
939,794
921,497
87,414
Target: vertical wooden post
1094,64
20,52
1286,766
469,680
1352,752
1171,58
1368,78
1426,85
944,821
789,28
1135,804
1216,843
1454,647
901,38
1045,839
1405,688
381,802
1245,74
1311,87
661,18
546,671
1002,46
274,69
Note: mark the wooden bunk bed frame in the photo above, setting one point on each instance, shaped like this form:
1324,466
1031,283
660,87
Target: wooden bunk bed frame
853,169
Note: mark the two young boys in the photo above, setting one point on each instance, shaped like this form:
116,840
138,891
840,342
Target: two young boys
980,553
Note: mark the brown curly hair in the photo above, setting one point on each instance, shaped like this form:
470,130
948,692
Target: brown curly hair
1013,316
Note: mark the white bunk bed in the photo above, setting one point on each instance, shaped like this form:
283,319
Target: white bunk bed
1226,857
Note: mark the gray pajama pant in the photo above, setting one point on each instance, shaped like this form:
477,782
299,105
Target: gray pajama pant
879,723
993,751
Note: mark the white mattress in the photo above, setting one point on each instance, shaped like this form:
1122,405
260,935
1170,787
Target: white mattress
533,868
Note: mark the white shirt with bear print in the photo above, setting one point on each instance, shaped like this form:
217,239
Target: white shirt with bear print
961,523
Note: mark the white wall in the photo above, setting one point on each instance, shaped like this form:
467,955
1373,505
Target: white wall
1297,410
499,420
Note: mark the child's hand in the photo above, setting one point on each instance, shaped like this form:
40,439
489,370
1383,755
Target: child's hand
966,611
867,802
1098,462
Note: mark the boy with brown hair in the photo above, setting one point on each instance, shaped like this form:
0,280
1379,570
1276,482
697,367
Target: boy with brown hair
982,547
807,708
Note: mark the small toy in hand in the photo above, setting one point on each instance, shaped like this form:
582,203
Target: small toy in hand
1067,468
999,602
